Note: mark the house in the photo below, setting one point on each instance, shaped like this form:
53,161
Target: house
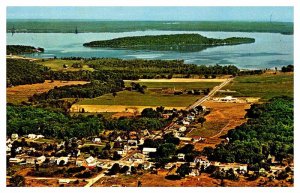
147,150
14,136
202,161
52,160
185,122
138,157
31,136
121,152
8,141
197,138
185,139
91,161
142,140
64,181
181,156
18,150
41,159
262,171
30,160
145,132
15,160
182,129
194,172
79,163
97,140
119,139
63,160
147,165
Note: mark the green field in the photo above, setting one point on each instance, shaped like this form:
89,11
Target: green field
57,65
265,86
133,98
177,85
68,26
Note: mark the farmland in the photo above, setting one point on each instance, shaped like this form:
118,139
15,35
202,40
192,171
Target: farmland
128,98
155,95
21,93
264,86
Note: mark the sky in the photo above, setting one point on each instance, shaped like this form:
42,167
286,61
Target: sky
154,13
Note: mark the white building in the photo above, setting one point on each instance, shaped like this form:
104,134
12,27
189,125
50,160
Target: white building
31,136
65,159
228,99
91,161
15,160
147,150
181,156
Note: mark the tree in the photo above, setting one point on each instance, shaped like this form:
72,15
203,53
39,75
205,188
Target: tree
183,170
150,113
114,169
17,181
116,156
201,120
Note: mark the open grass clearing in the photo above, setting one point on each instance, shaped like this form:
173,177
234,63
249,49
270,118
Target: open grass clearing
133,98
223,117
58,65
20,93
264,86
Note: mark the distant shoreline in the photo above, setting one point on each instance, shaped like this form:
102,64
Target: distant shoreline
96,26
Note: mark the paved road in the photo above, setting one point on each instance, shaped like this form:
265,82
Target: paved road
210,94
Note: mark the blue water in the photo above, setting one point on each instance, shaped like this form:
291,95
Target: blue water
269,50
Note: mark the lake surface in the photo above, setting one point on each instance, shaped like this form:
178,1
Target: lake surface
269,50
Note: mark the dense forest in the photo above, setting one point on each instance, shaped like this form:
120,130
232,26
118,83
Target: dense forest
139,68
24,120
20,49
20,71
269,131
175,42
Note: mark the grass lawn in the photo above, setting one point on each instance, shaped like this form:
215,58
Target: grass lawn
132,98
57,65
265,86
178,85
